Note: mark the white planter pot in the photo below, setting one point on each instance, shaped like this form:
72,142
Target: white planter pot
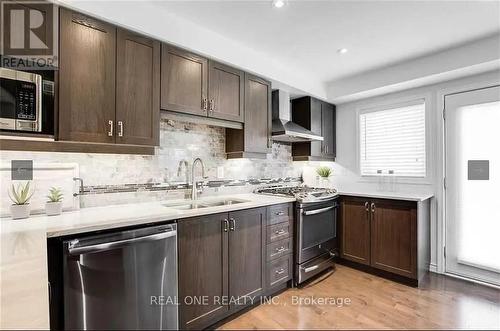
20,211
53,208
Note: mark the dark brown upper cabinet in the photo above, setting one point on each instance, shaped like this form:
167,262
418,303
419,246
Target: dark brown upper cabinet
254,140
184,81
319,117
225,92
87,67
328,130
355,230
137,89
108,84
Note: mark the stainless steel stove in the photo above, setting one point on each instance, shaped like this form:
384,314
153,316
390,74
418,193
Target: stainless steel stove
304,194
316,243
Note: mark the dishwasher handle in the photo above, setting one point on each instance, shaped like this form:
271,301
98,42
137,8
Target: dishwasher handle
118,243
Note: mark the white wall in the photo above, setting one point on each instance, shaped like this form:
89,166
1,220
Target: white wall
476,57
346,174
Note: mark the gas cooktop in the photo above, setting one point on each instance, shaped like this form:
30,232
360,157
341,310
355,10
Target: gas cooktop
303,194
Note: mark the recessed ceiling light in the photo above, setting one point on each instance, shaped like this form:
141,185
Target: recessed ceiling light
278,3
342,50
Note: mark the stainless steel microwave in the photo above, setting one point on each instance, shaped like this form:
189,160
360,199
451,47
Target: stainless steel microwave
20,101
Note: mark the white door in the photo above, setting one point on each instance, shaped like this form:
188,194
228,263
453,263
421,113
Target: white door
473,184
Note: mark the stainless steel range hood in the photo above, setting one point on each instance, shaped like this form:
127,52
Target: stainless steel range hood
283,128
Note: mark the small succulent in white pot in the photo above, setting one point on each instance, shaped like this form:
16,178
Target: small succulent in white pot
20,196
54,205
324,173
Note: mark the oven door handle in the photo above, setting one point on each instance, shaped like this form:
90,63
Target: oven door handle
316,266
317,211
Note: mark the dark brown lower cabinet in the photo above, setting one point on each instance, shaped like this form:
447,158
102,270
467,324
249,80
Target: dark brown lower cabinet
386,236
247,252
203,265
355,229
221,256
394,236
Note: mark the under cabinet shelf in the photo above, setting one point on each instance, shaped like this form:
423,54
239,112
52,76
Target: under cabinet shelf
72,147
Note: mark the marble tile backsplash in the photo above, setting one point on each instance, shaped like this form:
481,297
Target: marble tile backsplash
178,141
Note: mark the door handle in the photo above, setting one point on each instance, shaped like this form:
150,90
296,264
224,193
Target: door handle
120,129
367,208
232,224
110,132
225,225
372,207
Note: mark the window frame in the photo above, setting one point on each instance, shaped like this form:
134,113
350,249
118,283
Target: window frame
391,103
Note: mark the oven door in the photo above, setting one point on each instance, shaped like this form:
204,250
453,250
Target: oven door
317,230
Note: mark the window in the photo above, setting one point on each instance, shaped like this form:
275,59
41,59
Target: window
392,141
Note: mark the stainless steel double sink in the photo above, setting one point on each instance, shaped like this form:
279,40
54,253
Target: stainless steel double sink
188,205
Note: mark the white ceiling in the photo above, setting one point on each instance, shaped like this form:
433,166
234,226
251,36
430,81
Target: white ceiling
305,35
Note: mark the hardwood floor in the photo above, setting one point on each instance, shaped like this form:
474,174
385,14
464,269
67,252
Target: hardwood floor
441,303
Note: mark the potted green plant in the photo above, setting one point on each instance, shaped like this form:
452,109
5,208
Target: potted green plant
324,173
20,196
53,206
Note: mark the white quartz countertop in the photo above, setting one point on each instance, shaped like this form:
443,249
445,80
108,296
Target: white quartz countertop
388,195
115,216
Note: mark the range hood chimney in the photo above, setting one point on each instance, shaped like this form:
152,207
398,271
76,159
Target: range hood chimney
284,129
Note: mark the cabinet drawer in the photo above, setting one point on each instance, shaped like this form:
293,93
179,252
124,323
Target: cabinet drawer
278,232
279,271
278,249
278,214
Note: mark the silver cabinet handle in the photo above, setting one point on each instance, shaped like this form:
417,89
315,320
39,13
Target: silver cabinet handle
226,225
110,132
280,271
280,213
280,249
282,231
119,243
120,129
212,105
366,206
204,103
317,211
232,224
373,207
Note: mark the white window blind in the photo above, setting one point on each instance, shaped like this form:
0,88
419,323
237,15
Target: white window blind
392,141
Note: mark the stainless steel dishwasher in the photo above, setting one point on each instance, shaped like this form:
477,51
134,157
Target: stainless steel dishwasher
121,280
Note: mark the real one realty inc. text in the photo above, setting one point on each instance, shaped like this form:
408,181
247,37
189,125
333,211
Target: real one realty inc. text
206,300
